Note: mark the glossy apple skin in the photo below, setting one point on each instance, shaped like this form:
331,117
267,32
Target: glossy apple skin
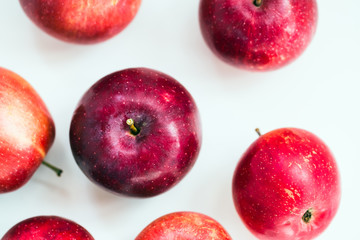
283,174
47,227
27,131
185,226
81,21
258,38
150,162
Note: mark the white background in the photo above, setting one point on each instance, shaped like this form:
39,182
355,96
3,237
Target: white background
319,92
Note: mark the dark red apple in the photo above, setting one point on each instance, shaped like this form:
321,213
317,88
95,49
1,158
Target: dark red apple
287,186
185,226
46,228
81,21
136,132
258,34
27,131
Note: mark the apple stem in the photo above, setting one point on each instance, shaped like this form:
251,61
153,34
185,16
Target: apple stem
257,130
133,129
307,216
58,171
258,3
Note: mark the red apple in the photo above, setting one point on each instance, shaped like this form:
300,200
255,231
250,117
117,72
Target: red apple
27,131
81,21
46,228
258,34
185,226
287,186
136,132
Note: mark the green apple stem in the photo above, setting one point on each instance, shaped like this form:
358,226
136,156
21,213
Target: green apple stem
133,129
258,3
58,171
258,131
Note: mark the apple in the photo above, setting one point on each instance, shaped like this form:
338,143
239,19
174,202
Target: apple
81,21
47,227
287,185
27,131
184,225
136,132
258,35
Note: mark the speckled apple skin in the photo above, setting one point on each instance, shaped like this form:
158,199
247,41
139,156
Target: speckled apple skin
283,174
184,226
81,21
47,228
27,131
258,38
150,162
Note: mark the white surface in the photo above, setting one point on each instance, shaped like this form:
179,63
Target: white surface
319,92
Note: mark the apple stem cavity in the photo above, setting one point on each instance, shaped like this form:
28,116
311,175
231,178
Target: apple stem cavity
58,171
257,130
133,129
258,3
307,216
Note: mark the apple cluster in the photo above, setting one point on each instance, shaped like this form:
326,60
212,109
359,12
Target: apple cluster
137,131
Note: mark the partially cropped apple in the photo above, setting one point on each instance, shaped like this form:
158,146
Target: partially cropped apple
81,21
184,225
46,228
136,132
27,131
287,185
258,34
